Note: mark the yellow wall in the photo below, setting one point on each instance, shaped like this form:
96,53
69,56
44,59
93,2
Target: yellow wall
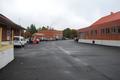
7,45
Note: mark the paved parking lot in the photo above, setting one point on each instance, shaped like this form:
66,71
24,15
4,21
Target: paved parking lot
63,60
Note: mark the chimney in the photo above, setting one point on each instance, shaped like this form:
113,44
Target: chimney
111,13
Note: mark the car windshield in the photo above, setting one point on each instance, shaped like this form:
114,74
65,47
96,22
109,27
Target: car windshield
16,39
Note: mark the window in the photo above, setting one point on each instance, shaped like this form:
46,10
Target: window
114,30
102,31
107,30
91,32
16,38
118,30
95,32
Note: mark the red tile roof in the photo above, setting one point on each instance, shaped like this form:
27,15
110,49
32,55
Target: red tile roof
109,18
49,33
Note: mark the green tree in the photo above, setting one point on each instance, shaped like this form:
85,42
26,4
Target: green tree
73,33
33,29
28,29
67,33
44,28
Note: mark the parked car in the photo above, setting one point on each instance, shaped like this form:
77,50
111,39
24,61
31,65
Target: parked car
36,40
27,40
19,41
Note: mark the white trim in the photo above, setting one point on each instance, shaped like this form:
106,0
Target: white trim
102,42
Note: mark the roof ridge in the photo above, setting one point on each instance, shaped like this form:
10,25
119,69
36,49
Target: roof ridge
10,22
106,18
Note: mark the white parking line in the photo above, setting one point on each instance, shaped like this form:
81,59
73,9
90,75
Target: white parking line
79,60
76,59
65,51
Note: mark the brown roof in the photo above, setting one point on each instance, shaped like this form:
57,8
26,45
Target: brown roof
108,18
50,33
7,22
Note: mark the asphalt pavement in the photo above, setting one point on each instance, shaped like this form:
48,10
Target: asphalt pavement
63,60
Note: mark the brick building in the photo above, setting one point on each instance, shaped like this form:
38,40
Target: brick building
48,35
105,31
7,27
8,30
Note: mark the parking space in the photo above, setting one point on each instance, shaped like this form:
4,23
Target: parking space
63,60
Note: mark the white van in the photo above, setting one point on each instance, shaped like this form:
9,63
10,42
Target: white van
19,41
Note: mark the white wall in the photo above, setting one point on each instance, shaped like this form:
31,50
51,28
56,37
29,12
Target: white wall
102,42
6,56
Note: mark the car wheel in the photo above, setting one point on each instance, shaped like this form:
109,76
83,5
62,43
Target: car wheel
23,45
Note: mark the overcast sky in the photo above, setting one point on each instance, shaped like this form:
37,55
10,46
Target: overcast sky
59,14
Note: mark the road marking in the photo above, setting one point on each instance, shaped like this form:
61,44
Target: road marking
79,60
65,51
67,72
76,59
